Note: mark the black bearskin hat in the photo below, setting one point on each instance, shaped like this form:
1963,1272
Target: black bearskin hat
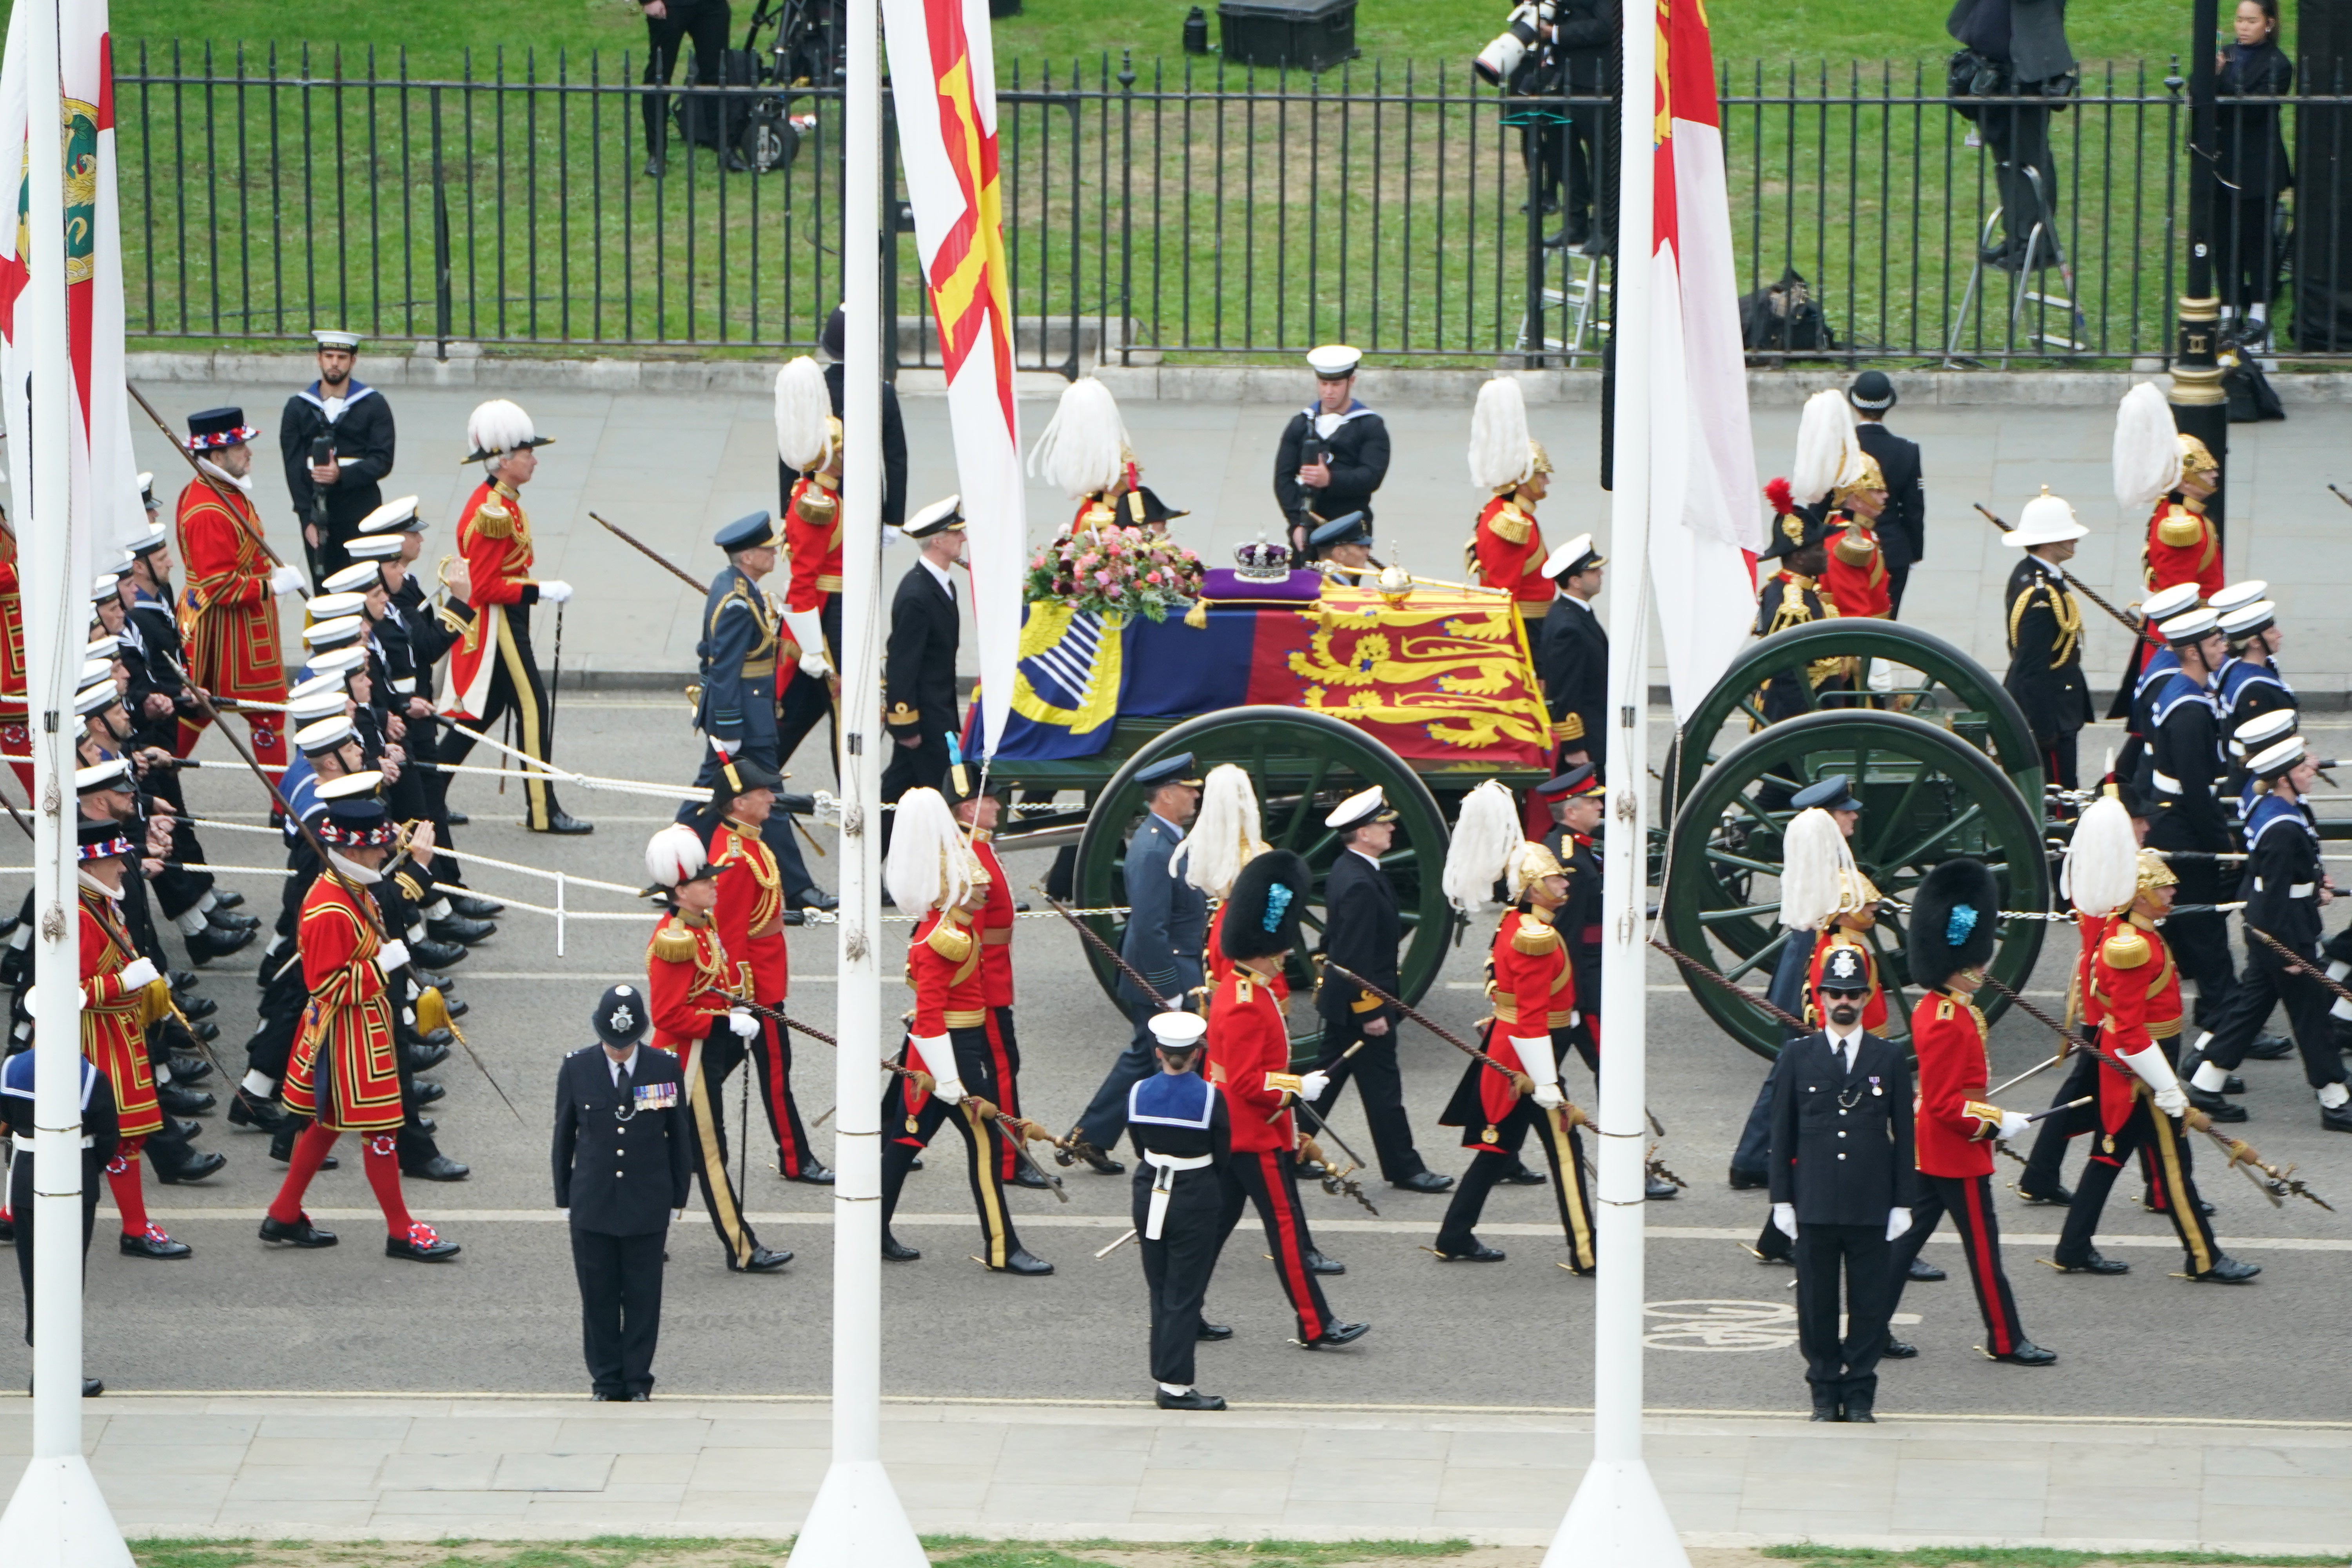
1262,913
1955,919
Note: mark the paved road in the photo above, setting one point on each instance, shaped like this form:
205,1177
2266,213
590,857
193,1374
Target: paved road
503,1317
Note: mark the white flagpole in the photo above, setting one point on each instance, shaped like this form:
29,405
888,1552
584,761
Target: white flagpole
57,1518
858,1521
1617,1518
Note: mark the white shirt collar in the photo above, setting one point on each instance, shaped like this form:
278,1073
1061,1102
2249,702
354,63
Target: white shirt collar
627,1063
207,466
1172,827
1846,1045
939,575
1373,860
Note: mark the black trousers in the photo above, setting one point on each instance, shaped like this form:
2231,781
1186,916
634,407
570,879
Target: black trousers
704,23
1897,578
1563,1150
2199,942
807,703
907,1134
2019,140
920,766
2058,759
20,1216
515,687
2151,1134
710,1062
2245,255
620,1307
1177,1266
1380,1085
1843,1368
771,1061
2045,1167
1268,1179
1969,1200
2267,980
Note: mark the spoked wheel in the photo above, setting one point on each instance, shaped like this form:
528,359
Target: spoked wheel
1930,680
1303,765
1927,796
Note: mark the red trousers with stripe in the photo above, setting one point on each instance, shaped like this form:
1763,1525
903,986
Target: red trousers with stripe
1969,1200
1005,1055
1269,1178
771,1059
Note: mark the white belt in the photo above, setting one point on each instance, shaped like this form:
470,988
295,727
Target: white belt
2168,783
405,684
1163,1184
2302,890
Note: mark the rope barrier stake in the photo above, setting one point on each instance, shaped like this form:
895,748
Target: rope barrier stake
559,914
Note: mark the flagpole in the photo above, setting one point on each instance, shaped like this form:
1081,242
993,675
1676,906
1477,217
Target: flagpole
1618,1518
856,1520
57,1517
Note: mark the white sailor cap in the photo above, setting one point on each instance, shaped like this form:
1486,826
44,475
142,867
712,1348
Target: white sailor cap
104,587
113,774
1363,807
1332,361
335,338
2265,729
376,547
334,603
334,632
324,735
2245,621
1178,1031
352,786
146,488
96,669
393,517
1576,555
331,681
2238,595
2177,600
354,580
2194,626
339,662
157,537
104,647
90,698
313,706
2274,761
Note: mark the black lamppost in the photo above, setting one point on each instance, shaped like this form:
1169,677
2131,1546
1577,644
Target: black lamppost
2199,407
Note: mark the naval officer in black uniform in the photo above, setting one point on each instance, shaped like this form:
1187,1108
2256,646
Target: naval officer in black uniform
2045,634
1183,1137
1842,1187
919,668
621,1109
1903,526
1572,657
331,497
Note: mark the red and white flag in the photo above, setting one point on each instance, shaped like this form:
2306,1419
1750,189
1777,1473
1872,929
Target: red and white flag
1706,525
104,477
943,88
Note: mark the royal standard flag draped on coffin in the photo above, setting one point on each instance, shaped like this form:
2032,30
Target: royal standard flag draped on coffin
1441,676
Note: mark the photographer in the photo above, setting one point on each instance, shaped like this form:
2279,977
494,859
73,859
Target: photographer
336,436
1564,48
1334,454
2015,48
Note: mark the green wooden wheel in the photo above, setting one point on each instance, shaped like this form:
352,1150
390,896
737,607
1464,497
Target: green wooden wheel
1303,765
1927,796
1934,680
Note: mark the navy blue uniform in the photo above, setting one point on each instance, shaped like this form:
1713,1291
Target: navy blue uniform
2184,773
624,1159
2281,887
1183,1139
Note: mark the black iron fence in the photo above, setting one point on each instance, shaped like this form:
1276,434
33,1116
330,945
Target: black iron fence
1209,215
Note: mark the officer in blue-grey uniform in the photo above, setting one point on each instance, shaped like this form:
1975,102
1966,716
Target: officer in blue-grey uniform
1168,920
735,709
1345,544
1184,1136
621,1107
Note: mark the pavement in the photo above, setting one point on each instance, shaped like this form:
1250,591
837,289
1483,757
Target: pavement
670,465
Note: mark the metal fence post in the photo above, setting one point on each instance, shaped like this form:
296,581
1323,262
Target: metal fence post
444,327
1126,208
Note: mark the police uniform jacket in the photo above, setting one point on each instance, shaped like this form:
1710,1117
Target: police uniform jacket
1359,444
360,425
1573,661
1361,932
1168,918
2184,762
737,654
2046,652
919,672
1841,1138
622,1166
894,449
1902,527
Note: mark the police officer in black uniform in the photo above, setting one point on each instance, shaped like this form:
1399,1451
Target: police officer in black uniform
1842,1187
1573,656
1903,526
920,664
621,1109
1333,454
331,496
1183,1133
2045,634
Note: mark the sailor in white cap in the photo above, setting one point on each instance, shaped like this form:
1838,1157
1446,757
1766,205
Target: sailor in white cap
2185,775
2045,634
2250,684
336,437
1334,452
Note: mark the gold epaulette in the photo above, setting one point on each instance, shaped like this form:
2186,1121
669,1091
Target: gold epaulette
1854,548
493,520
674,944
1534,938
1241,985
2126,948
2180,528
1511,525
949,941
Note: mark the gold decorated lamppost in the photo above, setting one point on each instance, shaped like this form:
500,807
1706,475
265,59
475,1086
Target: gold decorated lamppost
2199,407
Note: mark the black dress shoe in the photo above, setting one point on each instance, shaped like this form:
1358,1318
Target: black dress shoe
476,908
426,1125
222,919
423,1057
439,1168
299,1232
1520,1177
7,1234
207,1033
1209,1333
2091,1262
1319,1264
427,1091
153,1243
189,1069
2028,1353
1339,1334
601,1397
565,823
188,1131
2057,1198
813,1174
2214,1106
1658,1189
1859,1410
455,818
460,929
816,898
198,1008
1899,1350
1926,1273
1191,1399
1748,1181
896,1251
766,1260
1100,1163
92,1388
2271,1048
282,1143
1021,1261
2234,1084
183,1101
2336,1120
1027,1176
436,954
420,1246
195,1168
1424,1181
2228,1271
212,942
1478,1252
1827,1412
222,899
641,1396
184,980
454,1007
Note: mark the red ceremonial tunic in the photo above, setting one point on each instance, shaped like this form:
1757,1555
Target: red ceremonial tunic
1507,553
229,619
2136,988
943,965
691,979
494,536
1214,959
349,1021
749,918
1856,574
1948,1033
1873,1010
995,927
814,548
12,638
1531,985
2182,547
114,1018
1249,1054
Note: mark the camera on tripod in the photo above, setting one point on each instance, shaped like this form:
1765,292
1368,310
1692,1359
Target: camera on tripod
1499,62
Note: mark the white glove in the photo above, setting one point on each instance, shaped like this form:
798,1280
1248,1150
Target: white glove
285,581
139,973
739,1019
1534,1052
554,592
1549,1096
1575,1016
1312,1086
808,630
2173,1102
1897,1222
815,666
1784,1219
938,1060
2156,1072
391,955
2012,1122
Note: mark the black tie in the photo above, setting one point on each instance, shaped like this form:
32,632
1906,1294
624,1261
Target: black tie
621,1082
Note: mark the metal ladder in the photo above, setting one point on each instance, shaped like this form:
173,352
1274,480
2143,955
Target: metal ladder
1577,296
2038,242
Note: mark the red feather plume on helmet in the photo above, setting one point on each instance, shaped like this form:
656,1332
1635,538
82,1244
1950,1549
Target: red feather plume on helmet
1783,500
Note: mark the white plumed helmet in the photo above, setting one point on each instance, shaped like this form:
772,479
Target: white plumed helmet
929,868
2102,870
2147,448
1486,838
1829,453
803,415
497,428
1818,876
1084,450
1502,453
673,855
1225,833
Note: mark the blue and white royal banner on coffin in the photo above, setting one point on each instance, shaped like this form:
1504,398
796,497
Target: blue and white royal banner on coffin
1072,668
